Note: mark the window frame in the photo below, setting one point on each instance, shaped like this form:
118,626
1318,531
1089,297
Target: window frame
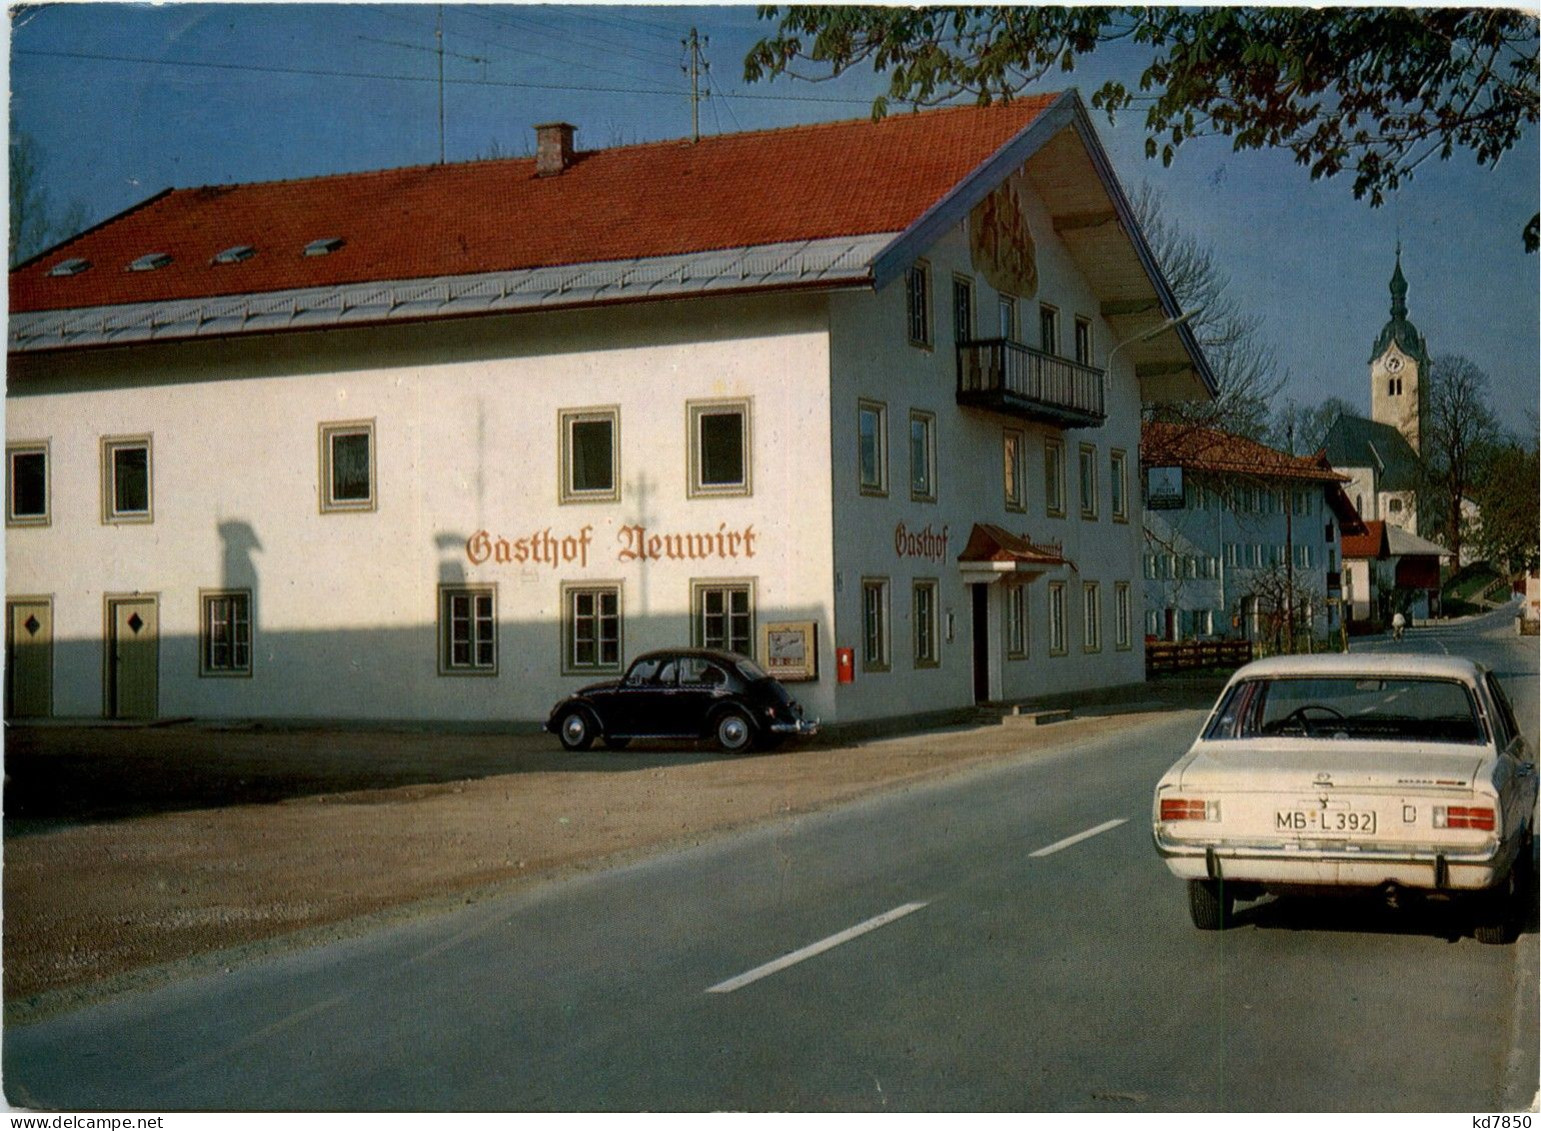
1017,466
876,635
1054,477
1083,340
918,275
110,446
1118,484
928,420
28,448
1059,643
695,412
571,591
700,589
1048,329
1123,615
963,288
207,669
926,625
1091,616
327,432
1016,630
567,493
1006,311
1086,467
880,411
475,667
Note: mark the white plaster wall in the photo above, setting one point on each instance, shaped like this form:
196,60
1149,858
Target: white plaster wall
466,432
1205,531
873,360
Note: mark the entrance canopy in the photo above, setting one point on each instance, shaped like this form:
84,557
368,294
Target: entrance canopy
994,552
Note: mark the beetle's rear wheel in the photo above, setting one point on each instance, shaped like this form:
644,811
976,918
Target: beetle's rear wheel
1210,904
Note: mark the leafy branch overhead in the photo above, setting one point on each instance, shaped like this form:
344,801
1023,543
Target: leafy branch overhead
1369,92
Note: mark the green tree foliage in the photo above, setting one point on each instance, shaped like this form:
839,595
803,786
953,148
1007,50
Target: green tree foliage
1368,92
1509,535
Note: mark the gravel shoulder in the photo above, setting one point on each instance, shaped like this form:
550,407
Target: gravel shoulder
138,856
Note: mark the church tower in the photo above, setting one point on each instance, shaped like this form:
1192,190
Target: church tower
1399,368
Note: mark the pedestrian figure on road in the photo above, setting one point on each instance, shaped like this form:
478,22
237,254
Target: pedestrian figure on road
1398,624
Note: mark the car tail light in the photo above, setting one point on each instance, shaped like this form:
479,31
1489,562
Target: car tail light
1189,809
1463,817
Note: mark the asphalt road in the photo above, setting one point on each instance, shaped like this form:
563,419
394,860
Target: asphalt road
1003,940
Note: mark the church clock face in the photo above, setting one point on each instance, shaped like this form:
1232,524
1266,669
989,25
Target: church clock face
1393,364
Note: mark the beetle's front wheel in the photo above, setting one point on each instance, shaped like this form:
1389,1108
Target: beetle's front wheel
735,733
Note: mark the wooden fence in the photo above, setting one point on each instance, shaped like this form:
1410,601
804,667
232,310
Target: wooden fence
1165,657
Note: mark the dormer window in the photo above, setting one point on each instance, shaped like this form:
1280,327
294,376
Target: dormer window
69,267
324,246
154,261
237,254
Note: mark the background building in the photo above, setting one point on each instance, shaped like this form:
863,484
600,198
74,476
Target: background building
1246,535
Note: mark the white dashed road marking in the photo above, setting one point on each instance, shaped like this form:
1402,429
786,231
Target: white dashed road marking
1050,849
813,949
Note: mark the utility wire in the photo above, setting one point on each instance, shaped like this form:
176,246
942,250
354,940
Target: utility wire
546,54
568,36
380,77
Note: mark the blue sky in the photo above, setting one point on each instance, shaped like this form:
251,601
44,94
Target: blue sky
126,99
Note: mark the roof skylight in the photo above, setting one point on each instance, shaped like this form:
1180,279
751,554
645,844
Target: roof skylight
69,267
324,246
154,261
237,254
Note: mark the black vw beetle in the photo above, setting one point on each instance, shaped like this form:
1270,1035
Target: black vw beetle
683,693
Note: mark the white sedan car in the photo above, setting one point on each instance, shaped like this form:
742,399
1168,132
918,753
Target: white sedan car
1407,774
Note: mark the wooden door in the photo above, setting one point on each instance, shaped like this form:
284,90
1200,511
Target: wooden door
133,658
29,647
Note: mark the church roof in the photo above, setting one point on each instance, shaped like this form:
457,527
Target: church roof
1399,329
1354,441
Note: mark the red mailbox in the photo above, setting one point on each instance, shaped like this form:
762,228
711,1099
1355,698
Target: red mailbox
845,665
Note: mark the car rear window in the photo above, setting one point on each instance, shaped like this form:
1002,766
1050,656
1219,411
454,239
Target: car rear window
1398,708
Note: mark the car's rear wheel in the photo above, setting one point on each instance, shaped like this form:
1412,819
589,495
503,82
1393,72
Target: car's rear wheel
576,729
1210,904
1502,913
734,731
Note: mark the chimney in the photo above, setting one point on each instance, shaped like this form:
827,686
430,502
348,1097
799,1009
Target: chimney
553,148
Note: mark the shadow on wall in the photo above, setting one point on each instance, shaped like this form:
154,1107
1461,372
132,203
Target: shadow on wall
389,676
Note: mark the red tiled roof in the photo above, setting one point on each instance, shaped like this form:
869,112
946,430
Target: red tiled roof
1207,449
1370,544
664,198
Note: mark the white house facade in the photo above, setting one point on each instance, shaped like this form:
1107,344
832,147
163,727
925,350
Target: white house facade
1253,535
456,476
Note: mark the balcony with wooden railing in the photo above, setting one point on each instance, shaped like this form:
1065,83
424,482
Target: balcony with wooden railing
1008,377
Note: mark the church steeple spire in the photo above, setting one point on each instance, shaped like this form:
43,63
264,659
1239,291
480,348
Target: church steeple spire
1398,288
